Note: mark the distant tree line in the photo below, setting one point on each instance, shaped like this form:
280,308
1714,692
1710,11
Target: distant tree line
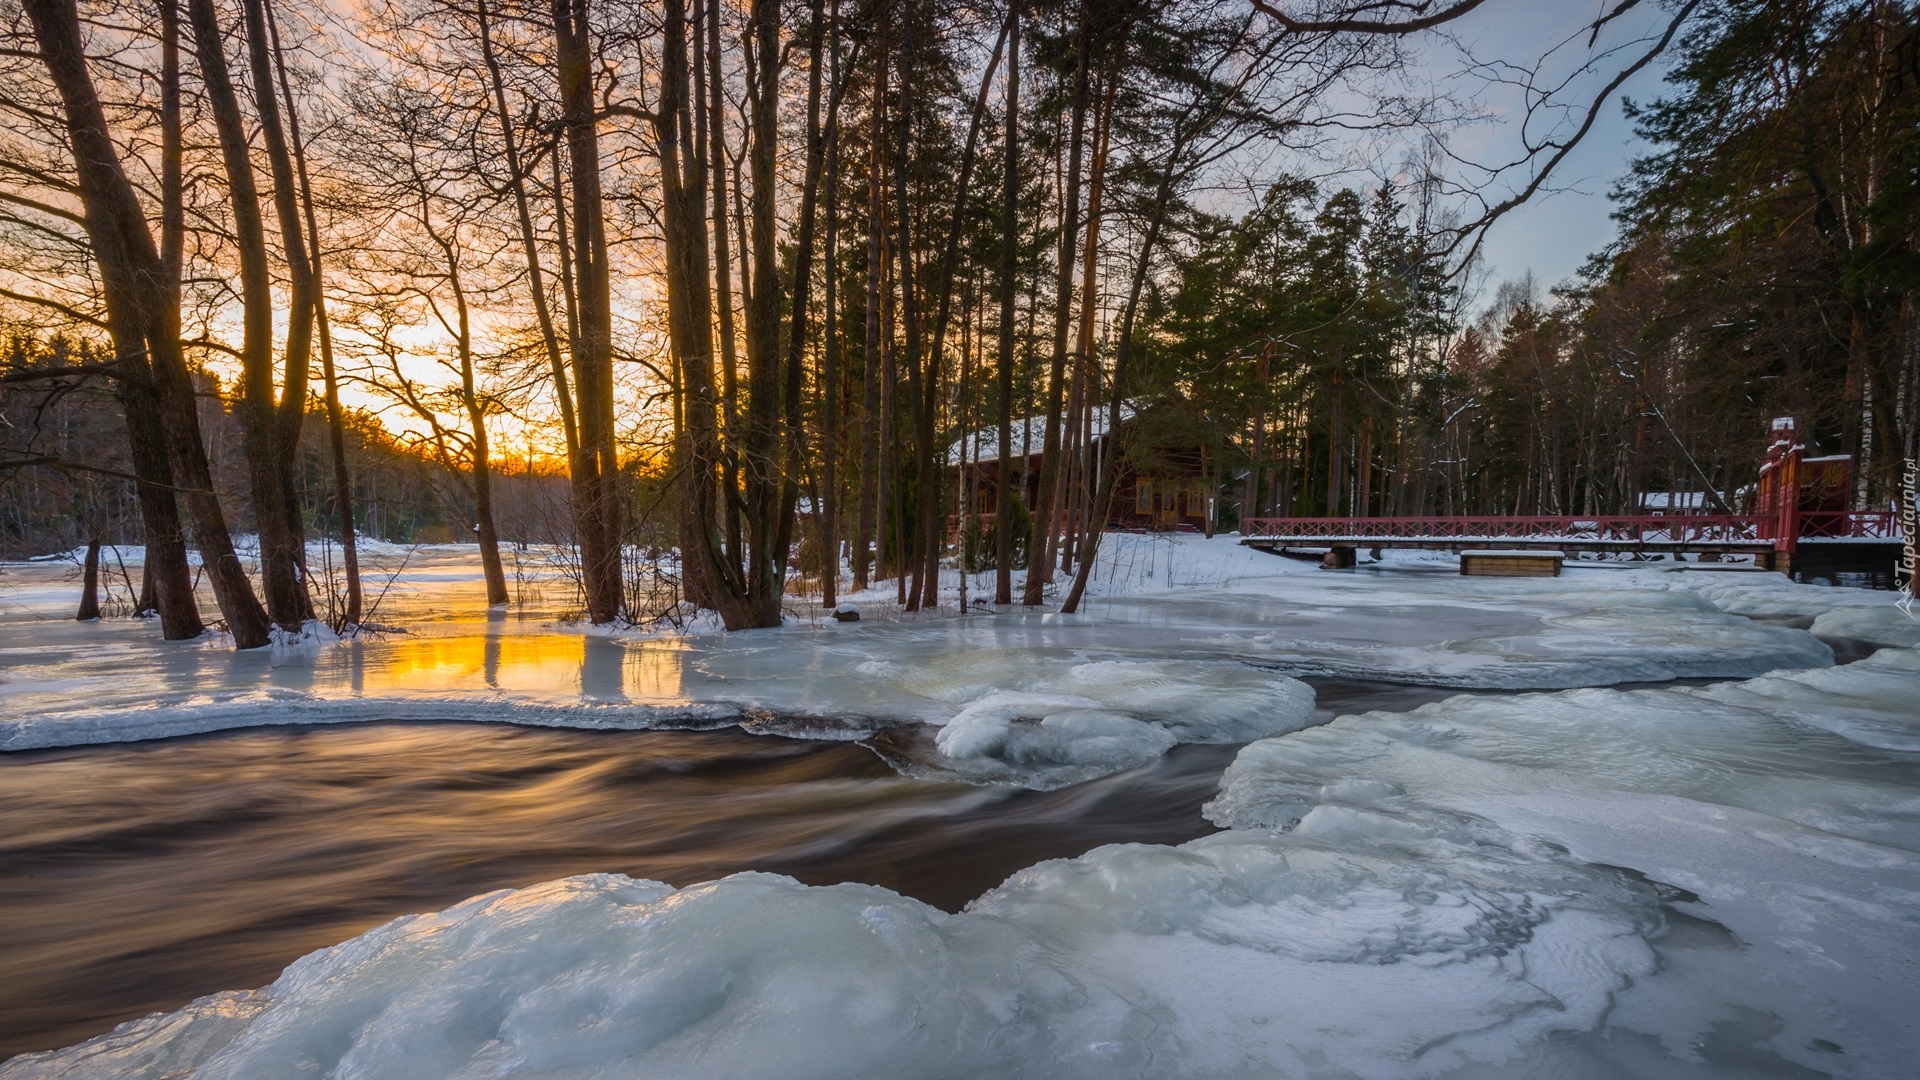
82,488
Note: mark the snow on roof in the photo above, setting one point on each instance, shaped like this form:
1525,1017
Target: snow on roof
1029,434
1671,500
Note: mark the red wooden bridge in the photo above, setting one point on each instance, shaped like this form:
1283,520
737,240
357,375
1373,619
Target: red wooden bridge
1646,533
1800,525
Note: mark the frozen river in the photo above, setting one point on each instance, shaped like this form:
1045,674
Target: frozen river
1523,865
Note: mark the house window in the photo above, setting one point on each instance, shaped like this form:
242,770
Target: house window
1143,496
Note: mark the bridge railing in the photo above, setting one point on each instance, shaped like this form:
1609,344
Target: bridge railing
1656,528
1849,525
1676,528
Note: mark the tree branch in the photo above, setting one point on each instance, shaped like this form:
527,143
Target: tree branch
1352,24
54,305
1478,229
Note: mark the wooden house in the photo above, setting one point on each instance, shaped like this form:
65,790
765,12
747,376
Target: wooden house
1168,478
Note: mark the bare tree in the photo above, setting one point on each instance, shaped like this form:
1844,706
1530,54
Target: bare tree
142,302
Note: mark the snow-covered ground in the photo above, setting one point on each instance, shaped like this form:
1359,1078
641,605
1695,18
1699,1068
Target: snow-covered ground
1698,880
1197,640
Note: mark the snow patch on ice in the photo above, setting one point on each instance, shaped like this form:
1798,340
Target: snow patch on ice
1882,624
1102,717
224,712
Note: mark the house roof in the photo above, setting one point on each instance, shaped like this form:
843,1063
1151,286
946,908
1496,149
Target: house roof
983,444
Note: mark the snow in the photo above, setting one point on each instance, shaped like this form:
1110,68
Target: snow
1692,880
1029,434
1867,616
1882,624
1199,614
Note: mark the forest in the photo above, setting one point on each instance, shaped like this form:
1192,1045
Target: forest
727,280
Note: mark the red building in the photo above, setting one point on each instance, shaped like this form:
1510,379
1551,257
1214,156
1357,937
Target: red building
1169,478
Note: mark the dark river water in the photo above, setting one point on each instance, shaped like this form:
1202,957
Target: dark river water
136,877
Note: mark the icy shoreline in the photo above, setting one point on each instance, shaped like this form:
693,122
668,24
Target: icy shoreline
1397,895
1184,610
1693,881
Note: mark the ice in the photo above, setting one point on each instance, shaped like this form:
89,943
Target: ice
1106,716
1880,624
1610,638
1442,900
1866,616
1788,804
1227,956
1209,608
1715,880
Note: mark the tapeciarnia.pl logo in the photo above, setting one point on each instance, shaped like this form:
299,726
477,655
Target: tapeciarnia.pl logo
1909,526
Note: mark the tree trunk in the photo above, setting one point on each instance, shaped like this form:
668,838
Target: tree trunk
597,499
90,583
1073,495
762,443
280,559
143,302
930,530
1009,270
689,309
794,430
166,581
1040,555
1363,466
1250,502
892,525
336,423
529,248
517,182
482,466
1336,441
1123,352
489,535
919,401
297,357
829,494
716,158
865,532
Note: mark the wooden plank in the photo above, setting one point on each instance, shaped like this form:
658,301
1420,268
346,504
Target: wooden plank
1511,563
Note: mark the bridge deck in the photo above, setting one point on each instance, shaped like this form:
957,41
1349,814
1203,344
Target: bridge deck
1485,543
1724,533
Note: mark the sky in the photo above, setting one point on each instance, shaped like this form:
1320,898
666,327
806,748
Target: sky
1552,235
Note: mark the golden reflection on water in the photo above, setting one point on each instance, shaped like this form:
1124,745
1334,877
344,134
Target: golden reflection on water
539,666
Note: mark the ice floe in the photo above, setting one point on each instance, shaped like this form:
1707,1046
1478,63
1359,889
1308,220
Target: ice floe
1787,805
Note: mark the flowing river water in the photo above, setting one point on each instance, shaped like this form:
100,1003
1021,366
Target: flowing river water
135,877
